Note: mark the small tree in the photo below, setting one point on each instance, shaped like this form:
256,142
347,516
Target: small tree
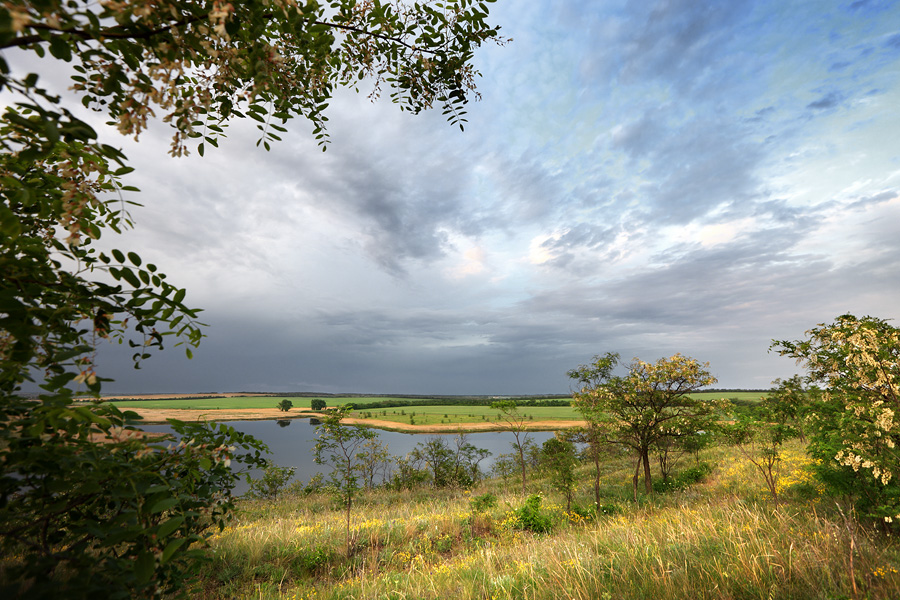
559,460
761,433
374,462
274,479
515,422
341,446
597,446
650,403
448,465
285,405
317,404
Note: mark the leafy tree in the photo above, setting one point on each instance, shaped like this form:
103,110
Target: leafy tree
116,510
374,462
516,422
274,479
559,459
449,465
317,404
761,433
285,405
341,446
646,406
467,460
94,509
853,426
597,445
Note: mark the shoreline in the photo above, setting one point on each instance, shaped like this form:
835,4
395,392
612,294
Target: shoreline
159,416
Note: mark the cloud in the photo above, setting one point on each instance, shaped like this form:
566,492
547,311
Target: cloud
830,100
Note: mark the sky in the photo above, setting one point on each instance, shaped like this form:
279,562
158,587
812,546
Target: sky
639,177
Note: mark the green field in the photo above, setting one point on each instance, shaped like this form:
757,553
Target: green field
436,415
238,402
432,414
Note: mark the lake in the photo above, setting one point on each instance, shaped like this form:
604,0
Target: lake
291,442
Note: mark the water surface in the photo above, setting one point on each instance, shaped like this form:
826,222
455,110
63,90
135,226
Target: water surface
291,442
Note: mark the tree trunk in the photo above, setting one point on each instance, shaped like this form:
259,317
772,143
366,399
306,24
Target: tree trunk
597,481
645,457
634,480
522,462
348,527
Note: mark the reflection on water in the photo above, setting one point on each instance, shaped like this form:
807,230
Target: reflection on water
291,443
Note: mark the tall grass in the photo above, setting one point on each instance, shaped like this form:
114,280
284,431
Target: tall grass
719,539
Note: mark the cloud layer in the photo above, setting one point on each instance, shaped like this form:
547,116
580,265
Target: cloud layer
646,178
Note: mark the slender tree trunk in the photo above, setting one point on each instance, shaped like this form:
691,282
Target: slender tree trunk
645,457
348,527
522,462
597,480
634,480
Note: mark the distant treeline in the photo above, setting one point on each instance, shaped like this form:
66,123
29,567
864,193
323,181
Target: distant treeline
124,399
489,398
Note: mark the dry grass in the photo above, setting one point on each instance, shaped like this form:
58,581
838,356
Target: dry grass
718,540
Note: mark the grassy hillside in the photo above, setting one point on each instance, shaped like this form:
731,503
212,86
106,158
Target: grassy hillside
721,538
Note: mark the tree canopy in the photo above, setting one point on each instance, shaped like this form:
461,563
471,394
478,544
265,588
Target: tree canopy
854,430
649,405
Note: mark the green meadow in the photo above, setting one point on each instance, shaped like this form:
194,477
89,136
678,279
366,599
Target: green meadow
719,538
237,402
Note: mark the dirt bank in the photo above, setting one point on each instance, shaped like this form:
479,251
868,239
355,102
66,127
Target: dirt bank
159,415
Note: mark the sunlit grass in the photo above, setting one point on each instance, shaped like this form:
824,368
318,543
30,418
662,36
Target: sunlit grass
719,539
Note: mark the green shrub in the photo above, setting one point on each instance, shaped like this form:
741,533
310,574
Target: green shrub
531,517
683,479
483,502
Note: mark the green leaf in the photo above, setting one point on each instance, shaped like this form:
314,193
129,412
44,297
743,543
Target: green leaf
171,548
162,505
129,276
143,567
169,526
60,49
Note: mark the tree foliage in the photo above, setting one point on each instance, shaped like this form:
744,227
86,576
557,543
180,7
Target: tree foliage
285,405
447,465
648,406
853,428
343,448
68,504
761,433
517,424
559,459
89,508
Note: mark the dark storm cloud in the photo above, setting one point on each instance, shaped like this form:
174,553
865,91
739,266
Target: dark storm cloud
830,100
